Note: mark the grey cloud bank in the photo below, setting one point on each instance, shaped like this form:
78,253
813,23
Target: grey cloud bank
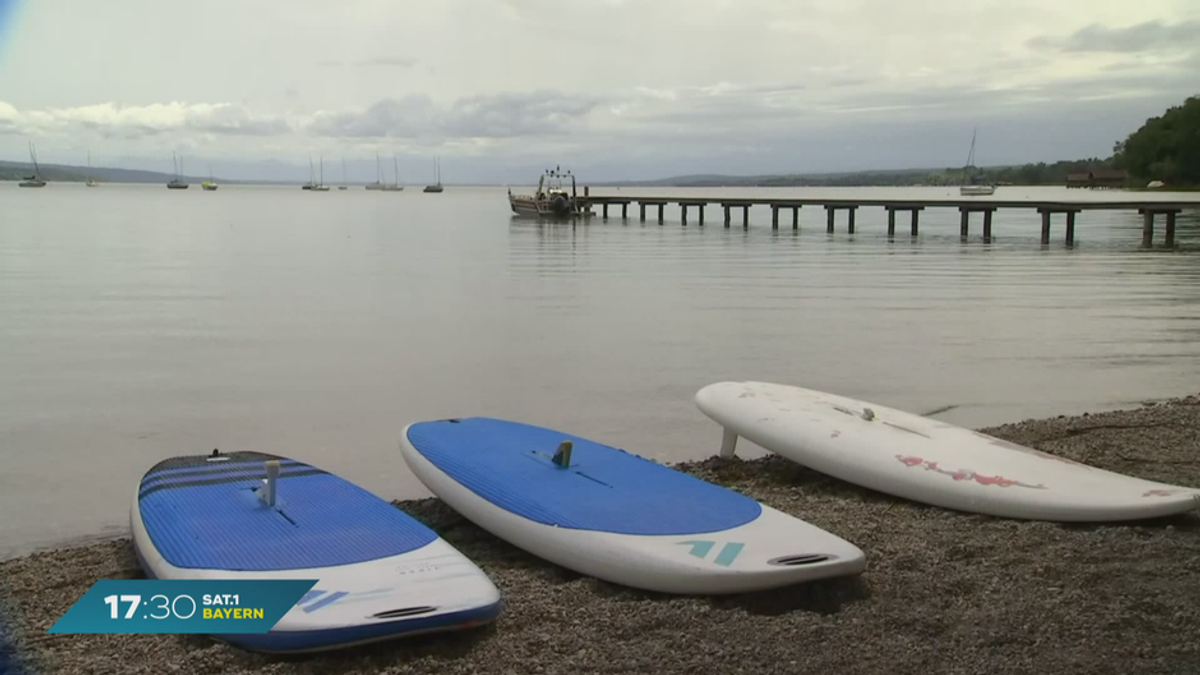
1151,35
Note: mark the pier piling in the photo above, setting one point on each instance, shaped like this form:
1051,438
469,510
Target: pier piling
1046,209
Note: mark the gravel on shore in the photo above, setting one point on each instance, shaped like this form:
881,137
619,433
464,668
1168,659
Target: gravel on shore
944,592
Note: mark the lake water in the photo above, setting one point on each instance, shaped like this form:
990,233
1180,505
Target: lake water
140,323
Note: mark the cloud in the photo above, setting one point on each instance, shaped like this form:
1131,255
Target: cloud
411,116
376,62
117,121
505,115
1148,36
517,114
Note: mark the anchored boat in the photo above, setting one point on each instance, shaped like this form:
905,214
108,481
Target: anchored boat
36,180
396,186
209,185
436,187
552,200
974,188
91,182
177,183
378,184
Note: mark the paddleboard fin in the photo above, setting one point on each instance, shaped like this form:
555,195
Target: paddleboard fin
267,491
868,414
562,456
728,443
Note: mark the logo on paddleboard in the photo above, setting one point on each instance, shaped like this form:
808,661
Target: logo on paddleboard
728,553
965,474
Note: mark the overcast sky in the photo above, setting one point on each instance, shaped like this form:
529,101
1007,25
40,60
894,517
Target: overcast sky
614,89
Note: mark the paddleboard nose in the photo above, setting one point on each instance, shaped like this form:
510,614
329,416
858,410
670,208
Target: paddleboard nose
713,394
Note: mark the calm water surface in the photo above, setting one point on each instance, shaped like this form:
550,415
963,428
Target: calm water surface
138,323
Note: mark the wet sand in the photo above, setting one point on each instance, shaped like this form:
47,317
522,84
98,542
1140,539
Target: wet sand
943,592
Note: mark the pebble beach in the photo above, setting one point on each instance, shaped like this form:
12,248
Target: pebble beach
943,592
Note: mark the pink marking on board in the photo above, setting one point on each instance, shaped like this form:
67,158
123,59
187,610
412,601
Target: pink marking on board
963,474
1159,493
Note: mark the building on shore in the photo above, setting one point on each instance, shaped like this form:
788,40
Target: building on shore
1099,178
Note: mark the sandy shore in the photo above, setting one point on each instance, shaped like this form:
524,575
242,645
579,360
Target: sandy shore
944,592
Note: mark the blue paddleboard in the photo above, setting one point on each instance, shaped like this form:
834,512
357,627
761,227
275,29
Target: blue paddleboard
381,573
614,515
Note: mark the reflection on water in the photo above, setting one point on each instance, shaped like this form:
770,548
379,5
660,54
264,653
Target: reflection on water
141,323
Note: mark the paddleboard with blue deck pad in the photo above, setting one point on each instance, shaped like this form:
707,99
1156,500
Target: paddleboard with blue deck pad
614,515
381,574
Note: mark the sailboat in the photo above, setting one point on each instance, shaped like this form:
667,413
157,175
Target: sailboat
34,181
321,186
436,187
209,184
311,179
974,189
177,182
378,184
91,182
395,187
343,185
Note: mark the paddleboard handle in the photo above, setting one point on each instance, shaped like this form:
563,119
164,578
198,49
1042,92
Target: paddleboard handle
728,443
562,456
272,467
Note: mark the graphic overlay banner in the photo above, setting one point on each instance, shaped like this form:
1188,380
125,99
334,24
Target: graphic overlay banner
182,606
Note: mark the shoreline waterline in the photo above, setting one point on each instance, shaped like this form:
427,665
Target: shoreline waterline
1000,593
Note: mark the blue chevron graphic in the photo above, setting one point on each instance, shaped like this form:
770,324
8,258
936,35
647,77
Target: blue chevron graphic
701,548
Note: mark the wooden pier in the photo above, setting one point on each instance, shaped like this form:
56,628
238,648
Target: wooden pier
966,207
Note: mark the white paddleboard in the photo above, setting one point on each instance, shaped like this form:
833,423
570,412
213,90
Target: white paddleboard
615,516
928,461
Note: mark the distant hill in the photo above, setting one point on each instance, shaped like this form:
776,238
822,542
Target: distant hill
870,177
1026,174
67,173
844,178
